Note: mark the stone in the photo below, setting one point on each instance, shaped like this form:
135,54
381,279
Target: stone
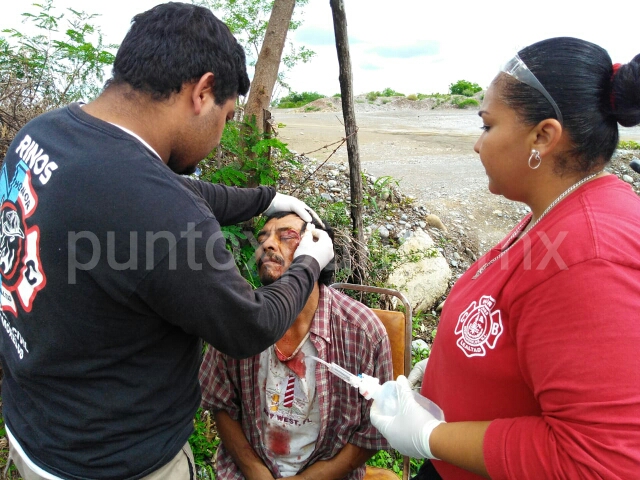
434,221
425,281
384,233
419,346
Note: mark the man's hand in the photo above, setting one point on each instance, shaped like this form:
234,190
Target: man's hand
317,244
416,375
287,203
409,428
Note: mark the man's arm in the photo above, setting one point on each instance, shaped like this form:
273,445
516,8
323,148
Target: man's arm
346,461
231,205
242,453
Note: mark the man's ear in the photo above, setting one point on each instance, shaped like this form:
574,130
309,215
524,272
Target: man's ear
202,92
547,135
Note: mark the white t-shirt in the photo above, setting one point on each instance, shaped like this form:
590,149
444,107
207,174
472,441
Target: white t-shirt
290,413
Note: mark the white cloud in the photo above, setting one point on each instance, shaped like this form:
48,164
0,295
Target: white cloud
461,40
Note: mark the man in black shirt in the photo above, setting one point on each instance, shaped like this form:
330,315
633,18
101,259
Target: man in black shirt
114,266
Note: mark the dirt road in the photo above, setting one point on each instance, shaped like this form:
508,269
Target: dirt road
430,153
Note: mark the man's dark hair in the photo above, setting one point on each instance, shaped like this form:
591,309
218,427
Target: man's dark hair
176,43
327,274
580,78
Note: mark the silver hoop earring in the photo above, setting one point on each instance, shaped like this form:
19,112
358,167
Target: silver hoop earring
535,154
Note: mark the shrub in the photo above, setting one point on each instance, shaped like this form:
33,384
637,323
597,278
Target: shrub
466,103
630,145
372,96
295,100
390,92
412,97
464,87
63,62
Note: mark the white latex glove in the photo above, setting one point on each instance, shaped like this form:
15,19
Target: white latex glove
317,244
407,431
416,375
287,203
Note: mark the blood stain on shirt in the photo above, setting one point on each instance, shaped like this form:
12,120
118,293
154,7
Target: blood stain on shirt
297,365
279,441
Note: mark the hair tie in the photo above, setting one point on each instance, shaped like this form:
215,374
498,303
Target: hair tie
616,67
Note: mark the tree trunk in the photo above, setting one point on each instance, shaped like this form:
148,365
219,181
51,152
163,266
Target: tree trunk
266,72
346,91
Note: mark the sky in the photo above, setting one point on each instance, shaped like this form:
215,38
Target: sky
411,46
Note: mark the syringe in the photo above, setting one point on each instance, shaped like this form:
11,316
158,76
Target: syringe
338,371
386,393
365,383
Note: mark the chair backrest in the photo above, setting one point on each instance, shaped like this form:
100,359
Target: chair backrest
398,326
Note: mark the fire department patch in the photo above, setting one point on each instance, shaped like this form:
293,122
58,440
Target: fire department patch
479,327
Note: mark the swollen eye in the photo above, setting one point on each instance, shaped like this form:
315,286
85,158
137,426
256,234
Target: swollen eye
290,235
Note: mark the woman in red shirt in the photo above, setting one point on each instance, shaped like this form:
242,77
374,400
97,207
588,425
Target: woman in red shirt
536,363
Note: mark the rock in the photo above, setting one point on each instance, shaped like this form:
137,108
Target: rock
424,281
384,233
627,178
419,345
434,221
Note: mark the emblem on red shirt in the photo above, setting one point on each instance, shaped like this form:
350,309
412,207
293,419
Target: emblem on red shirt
479,327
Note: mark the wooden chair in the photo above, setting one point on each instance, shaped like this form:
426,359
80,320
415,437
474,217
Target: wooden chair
398,326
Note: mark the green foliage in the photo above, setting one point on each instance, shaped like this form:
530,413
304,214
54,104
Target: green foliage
337,95
628,145
372,96
464,87
393,461
204,444
63,63
390,92
248,20
467,102
295,100
412,97
387,92
312,109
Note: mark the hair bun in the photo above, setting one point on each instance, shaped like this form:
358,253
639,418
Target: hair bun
625,91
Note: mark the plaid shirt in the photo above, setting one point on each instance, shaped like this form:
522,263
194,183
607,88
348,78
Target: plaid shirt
343,331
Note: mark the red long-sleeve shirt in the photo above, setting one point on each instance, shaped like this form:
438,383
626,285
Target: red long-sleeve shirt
546,343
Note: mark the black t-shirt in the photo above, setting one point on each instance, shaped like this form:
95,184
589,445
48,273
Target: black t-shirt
113,269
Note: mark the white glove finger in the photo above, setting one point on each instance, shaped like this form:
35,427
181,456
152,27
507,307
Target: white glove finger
300,208
417,374
315,216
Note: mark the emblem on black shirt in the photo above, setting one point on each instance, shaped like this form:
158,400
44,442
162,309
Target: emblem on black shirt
22,274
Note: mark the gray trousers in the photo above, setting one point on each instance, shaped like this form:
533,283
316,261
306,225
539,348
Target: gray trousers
182,467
